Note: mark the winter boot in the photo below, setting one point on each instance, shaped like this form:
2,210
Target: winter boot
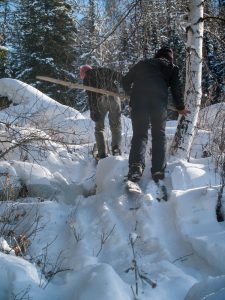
102,156
156,176
135,172
116,151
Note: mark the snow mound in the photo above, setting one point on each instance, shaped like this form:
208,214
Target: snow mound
102,282
212,116
31,108
213,288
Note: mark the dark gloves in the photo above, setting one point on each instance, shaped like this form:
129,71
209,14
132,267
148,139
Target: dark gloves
95,115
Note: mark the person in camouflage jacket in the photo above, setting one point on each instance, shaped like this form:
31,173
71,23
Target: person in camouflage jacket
100,105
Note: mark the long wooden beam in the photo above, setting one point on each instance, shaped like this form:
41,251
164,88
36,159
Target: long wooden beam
88,88
81,87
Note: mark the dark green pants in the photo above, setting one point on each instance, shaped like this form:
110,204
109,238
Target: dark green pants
111,106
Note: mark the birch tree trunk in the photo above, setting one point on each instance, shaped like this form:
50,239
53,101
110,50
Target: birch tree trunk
186,128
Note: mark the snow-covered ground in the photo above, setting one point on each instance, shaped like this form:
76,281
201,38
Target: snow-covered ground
68,230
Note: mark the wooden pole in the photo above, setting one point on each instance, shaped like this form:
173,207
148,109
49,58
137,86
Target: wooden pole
88,88
81,87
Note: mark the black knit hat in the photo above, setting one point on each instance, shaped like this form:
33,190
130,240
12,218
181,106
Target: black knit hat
166,53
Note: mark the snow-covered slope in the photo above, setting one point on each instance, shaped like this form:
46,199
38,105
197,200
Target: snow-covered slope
68,229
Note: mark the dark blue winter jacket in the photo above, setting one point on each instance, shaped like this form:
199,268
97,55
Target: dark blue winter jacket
148,81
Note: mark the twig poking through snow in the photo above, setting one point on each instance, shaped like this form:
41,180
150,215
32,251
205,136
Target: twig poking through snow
104,238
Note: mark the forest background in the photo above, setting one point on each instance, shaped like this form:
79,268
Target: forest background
54,37
40,136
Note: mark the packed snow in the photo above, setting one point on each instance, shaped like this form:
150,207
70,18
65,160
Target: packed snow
70,230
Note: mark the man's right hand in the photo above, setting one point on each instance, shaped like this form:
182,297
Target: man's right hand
183,112
95,115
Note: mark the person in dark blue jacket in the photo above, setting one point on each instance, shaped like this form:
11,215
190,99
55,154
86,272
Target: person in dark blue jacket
147,83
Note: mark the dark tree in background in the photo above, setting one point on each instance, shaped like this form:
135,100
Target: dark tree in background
151,25
214,53
88,38
55,37
88,32
146,26
44,44
4,14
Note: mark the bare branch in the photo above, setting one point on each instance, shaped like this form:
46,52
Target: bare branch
104,238
213,18
133,5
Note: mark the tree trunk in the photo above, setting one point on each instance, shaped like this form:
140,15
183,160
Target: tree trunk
186,128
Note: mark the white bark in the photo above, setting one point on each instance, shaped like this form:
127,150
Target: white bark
186,128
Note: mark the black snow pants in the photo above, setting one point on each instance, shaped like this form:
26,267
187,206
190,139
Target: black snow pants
141,121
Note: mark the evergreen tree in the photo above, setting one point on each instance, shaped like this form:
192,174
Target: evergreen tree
45,45
213,72
4,10
153,24
86,41
88,33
